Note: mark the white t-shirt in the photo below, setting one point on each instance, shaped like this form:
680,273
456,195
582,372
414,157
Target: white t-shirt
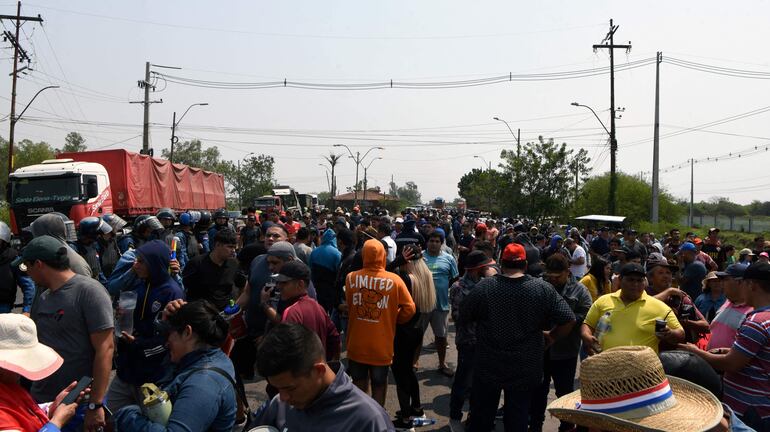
578,270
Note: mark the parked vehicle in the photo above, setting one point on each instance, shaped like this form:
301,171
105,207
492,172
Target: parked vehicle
94,183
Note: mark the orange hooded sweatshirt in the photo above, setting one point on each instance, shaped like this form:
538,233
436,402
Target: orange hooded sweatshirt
377,300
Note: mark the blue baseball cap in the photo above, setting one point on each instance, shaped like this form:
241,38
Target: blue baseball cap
687,246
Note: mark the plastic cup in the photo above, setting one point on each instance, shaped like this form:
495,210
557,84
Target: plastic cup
125,313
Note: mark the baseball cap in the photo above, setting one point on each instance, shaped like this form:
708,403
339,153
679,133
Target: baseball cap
733,271
293,270
632,268
477,259
711,230
746,251
43,248
687,246
514,252
758,271
656,259
399,220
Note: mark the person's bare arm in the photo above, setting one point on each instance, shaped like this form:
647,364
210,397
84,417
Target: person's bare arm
104,348
732,361
589,341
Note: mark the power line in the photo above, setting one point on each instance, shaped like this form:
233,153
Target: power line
392,84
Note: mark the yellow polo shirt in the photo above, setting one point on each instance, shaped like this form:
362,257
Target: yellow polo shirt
631,324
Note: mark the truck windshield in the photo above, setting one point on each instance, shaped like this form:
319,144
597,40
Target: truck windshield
33,190
265,202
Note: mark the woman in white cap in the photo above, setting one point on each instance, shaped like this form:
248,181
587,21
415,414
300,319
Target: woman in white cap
22,355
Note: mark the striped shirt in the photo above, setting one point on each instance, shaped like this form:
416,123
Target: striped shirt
725,324
750,387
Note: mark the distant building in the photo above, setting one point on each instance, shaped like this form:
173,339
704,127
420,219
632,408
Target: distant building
367,199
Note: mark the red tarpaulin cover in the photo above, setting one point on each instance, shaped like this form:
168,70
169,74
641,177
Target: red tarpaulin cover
141,184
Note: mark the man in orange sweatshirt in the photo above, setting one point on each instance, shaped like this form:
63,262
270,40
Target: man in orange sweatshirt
377,300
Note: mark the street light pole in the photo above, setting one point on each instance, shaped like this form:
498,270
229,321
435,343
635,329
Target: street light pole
174,124
613,147
518,137
328,184
358,160
14,119
366,184
484,161
240,175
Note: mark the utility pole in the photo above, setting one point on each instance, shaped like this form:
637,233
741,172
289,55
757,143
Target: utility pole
613,141
18,51
656,144
174,140
577,172
692,187
146,86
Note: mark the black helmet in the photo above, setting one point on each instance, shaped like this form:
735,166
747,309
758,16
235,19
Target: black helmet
116,222
166,213
205,218
147,221
220,213
92,226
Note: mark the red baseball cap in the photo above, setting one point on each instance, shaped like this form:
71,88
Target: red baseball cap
514,252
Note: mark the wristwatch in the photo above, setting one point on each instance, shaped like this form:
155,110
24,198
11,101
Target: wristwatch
93,406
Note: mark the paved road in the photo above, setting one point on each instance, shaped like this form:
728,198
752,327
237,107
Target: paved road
434,386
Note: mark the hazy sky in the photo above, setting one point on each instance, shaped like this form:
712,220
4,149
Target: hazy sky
96,51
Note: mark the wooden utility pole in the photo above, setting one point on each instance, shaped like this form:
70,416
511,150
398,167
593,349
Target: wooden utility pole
609,43
18,51
656,145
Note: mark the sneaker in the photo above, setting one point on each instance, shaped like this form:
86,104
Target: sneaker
403,425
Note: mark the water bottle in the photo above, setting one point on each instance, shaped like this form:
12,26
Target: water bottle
234,316
602,327
156,404
423,421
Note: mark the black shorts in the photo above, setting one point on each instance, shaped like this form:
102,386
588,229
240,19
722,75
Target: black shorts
360,371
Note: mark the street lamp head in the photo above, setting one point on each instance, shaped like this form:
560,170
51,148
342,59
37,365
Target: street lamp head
337,145
496,118
477,156
575,104
203,104
380,148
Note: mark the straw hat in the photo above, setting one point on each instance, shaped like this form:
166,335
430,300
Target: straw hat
20,350
626,389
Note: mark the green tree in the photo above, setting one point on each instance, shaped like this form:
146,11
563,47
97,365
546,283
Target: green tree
634,199
255,178
193,154
483,189
409,194
723,206
540,177
73,143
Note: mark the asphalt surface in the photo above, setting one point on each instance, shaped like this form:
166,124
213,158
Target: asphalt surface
434,387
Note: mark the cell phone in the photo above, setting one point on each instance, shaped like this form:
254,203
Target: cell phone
72,396
660,325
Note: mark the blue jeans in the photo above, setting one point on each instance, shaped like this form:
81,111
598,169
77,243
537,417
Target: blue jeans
461,385
485,397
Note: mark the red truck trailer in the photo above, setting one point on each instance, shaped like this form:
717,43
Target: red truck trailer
94,183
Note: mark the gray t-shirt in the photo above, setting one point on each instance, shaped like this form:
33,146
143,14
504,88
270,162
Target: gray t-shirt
65,319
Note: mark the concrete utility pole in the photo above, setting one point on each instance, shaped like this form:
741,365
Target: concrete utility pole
18,51
692,187
609,43
146,86
656,145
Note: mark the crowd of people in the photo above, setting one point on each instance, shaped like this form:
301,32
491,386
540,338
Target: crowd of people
326,305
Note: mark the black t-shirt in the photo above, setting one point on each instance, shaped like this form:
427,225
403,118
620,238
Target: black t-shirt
249,235
204,280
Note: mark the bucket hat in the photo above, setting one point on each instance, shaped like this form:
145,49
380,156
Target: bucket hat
21,352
